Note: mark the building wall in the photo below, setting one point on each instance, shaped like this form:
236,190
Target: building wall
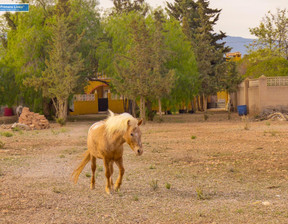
85,107
264,94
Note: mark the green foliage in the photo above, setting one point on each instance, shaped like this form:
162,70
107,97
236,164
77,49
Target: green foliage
193,137
6,134
262,62
154,184
168,186
272,33
2,144
197,23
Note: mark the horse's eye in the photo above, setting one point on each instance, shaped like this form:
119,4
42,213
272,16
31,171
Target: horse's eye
131,134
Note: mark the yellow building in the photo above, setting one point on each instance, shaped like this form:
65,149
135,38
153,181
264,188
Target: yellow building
97,98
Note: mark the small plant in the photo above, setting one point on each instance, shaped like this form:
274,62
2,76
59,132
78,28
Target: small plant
1,173
100,168
57,191
246,126
154,184
268,123
62,156
88,175
16,129
193,137
6,134
168,186
2,144
206,116
61,121
135,198
229,115
200,195
152,167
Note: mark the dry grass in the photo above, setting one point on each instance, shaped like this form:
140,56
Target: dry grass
226,175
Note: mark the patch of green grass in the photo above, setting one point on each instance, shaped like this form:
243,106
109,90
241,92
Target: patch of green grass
2,144
100,168
16,129
239,211
135,198
268,123
200,194
62,156
88,175
57,191
1,173
193,137
57,132
273,133
6,134
154,184
152,167
168,186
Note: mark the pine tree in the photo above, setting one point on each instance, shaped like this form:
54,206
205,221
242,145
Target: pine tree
197,23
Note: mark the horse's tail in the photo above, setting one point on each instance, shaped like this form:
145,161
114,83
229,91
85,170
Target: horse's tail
76,172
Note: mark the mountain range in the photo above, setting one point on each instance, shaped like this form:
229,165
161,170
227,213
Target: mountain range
238,44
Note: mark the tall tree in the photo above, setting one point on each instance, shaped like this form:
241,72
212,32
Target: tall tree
197,21
59,79
272,33
126,6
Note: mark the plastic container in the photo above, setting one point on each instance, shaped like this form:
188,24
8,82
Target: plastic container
8,111
242,110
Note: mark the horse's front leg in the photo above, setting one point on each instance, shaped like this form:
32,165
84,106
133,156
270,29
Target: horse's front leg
108,175
111,172
118,183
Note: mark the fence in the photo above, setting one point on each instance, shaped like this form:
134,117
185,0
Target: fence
264,94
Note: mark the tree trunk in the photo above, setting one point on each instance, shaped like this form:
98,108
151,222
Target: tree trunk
160,107
201,103
142,109
198,104
204,103
133,108
62,110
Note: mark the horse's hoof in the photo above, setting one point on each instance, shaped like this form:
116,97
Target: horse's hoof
92,187
107,190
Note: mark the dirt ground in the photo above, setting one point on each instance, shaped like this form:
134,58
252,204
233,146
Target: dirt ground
192,171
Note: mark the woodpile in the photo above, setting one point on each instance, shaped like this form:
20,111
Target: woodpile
33,120
273,116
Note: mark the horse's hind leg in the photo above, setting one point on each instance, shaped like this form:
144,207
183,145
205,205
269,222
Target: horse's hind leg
93,168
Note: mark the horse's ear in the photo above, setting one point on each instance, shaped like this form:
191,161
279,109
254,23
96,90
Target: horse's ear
128,123
140,122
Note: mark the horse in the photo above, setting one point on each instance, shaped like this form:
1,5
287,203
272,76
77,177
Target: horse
105,141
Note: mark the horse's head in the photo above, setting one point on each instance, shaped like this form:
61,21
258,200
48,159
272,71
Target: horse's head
133,137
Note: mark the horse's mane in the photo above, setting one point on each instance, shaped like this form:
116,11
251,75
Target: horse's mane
118,123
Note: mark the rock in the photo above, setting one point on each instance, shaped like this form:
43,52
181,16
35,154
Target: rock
33,120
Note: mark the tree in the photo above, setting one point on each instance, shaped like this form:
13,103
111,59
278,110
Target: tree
126,6
262,62
272,33
59,79
197,21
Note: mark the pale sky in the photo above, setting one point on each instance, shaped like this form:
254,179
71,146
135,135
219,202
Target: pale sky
237,16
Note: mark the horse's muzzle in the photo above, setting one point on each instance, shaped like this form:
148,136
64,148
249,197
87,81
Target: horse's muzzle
139,152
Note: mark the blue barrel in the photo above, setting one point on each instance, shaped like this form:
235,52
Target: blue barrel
242,110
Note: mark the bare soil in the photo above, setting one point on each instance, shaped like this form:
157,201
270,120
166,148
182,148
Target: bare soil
192,171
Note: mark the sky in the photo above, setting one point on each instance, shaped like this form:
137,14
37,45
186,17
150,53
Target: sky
236,17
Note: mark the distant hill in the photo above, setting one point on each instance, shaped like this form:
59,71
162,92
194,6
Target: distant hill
238,44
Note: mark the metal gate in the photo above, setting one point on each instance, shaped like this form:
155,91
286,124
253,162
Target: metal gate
102,104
